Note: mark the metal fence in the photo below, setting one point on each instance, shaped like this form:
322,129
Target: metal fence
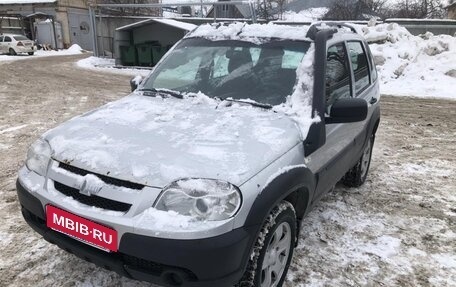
421,26
99,41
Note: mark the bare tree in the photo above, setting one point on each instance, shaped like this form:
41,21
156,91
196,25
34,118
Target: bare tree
419,9
271,9
350,10
280,7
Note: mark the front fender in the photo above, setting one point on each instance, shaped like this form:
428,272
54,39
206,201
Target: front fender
298,178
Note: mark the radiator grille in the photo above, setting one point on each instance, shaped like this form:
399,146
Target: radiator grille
93,200
106,179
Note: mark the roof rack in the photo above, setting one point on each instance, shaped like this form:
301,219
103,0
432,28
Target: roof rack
316,27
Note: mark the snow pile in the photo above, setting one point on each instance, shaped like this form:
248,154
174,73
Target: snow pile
75,48
108,65
420,66
256,33
308,15
299,105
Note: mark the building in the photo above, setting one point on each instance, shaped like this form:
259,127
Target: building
230,11
144,43
452,10
71,17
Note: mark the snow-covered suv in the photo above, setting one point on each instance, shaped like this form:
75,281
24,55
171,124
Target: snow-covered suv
202,175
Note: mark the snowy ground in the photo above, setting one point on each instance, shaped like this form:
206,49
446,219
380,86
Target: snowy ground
73,50
107,65
397,230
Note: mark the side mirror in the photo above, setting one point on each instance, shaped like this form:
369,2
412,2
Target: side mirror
348,110
135,82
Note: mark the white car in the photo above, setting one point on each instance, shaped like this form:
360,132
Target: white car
14,44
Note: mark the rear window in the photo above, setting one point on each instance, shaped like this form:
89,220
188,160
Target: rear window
20,38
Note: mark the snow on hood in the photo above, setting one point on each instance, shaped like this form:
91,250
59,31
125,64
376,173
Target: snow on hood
154,140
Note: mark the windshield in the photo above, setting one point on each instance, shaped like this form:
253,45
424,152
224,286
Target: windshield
265,73
20,38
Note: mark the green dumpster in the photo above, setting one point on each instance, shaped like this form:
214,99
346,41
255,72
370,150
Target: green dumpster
145,54
157,53
128,55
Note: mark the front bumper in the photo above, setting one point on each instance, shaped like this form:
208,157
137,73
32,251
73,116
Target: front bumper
214,261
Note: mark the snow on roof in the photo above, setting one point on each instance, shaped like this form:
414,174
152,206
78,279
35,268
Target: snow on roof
21,2
250,32
177,24
169,22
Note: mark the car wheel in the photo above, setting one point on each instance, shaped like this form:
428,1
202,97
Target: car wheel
31,53
273,250
357,175
12,52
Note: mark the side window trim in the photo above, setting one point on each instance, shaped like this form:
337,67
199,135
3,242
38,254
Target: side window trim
350,67
347,63
352,72
371,62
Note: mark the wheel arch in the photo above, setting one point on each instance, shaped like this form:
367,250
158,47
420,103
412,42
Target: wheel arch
296,185
375,121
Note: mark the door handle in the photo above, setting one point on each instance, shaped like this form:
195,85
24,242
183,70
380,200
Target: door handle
373,101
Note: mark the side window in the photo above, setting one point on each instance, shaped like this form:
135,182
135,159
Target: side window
373,69
7,39
1,38
337,74
359,65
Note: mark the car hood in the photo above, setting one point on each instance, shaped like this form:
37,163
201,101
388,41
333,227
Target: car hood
154,140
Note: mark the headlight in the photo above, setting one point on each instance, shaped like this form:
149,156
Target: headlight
38,156
203,199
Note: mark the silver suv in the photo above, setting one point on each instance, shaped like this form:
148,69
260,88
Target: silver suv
202,175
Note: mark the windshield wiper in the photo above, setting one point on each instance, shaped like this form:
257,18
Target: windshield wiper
252,103
163,91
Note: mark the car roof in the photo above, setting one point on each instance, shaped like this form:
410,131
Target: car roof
255,33
11,35
258,32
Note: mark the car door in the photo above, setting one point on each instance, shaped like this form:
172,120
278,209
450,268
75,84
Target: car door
365,87
331,161
1,45
6,43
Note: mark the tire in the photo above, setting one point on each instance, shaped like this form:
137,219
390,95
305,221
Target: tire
12,52
31,53
273,249
357,175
